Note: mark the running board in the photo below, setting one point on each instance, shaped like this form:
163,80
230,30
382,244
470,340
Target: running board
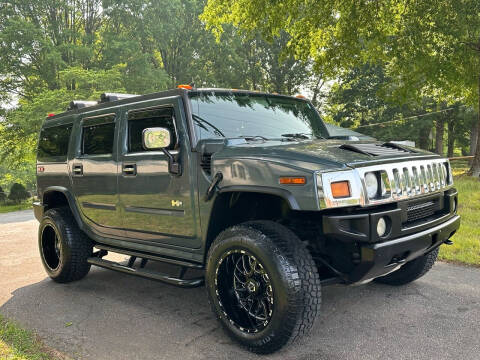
185,283
143,255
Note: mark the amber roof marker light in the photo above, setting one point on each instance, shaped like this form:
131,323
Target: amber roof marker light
292,180
185,86
340,189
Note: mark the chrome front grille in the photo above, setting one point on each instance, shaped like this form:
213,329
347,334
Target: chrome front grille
417,178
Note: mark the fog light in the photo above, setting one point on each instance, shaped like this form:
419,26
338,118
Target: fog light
381,227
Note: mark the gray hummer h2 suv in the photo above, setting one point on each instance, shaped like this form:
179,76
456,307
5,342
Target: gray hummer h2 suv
244,191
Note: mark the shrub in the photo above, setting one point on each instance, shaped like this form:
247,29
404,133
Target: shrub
18,193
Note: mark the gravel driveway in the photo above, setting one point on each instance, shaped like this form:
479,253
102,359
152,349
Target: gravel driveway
110,315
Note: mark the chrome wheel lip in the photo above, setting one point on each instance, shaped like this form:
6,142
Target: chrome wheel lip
268,289
57,248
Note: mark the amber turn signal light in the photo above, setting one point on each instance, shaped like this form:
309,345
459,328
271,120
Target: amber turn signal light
340,189
289,180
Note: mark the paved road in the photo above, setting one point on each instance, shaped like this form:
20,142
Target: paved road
115,316
16,217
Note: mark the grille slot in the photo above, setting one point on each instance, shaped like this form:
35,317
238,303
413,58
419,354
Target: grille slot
420,211
206,163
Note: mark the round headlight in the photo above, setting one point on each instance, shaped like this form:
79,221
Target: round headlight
371,183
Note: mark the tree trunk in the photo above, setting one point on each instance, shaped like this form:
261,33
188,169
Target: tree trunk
475,170
439,131
451,135
473,139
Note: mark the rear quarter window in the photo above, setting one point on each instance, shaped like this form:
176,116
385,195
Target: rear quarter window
98,134
53,143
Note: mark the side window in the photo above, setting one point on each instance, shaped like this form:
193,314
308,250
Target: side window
97,135
53,143
139,120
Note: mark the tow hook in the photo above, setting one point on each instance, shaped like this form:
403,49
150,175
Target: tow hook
448,242
211,189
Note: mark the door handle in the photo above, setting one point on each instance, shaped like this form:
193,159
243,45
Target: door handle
130,169
78,170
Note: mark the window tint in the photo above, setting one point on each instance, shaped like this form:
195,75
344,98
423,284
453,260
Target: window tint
53,143
98,139
142,119
219,114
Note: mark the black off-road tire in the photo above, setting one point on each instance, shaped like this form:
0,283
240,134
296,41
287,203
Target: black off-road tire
411,271
294,280
66,261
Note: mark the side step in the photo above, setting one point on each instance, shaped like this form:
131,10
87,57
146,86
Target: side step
154,257
186,283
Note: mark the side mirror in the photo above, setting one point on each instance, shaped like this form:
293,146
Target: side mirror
156,138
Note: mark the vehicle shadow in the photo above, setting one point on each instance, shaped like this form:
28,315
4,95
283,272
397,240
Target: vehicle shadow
109,315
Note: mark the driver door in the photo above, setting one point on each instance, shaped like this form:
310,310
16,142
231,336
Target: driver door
157,206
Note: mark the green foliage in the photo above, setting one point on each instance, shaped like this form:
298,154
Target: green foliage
466,242
11,207
429,45
20,344
363,98
18,193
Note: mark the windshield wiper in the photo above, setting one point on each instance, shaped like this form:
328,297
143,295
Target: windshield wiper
253,137
303,136
200,122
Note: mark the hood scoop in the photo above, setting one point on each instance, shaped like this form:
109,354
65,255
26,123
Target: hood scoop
372,149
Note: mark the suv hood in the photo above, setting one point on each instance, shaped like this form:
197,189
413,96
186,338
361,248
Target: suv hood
318,154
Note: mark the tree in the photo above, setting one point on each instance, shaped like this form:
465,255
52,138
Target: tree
361,98
19,132
3,196
18,193
432,47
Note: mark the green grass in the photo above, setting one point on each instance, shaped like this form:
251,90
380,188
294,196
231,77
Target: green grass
20,344
5,208
466,247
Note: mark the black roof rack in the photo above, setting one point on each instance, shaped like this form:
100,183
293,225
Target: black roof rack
79,104
107,97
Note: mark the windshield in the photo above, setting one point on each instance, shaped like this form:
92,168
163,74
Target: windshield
225,114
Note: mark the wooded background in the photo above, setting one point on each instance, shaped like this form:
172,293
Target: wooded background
395,70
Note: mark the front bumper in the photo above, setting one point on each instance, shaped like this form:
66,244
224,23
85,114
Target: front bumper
382,258
406,239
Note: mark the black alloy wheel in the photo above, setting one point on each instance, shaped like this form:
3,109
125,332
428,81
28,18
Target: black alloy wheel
244,291
50,247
